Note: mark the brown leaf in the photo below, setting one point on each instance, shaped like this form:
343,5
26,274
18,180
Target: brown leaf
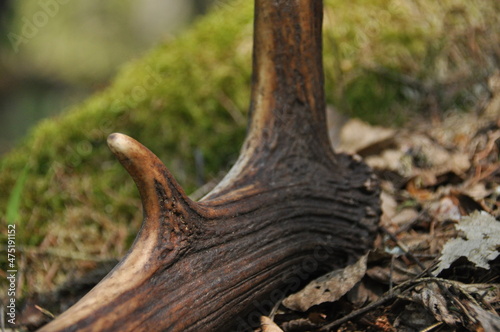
405,217
383,324
445,209
389,159
435,302
466,204
374,138
267,325
415,189
477,191
389,204
327,288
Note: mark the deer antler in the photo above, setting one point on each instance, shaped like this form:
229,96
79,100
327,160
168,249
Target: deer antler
288,202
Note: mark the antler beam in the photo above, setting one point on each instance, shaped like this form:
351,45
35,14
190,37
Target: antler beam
197,266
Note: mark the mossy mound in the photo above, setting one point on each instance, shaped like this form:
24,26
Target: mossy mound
383,59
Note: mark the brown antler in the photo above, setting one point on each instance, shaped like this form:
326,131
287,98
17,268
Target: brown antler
288,209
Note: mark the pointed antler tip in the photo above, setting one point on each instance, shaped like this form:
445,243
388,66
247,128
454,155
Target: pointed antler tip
117,141
123,145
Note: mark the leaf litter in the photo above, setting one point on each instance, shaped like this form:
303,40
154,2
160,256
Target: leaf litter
328,288
436,264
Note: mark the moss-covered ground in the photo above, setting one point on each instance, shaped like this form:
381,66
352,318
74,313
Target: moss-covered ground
72,203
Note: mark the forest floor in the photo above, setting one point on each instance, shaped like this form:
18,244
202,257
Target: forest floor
435,265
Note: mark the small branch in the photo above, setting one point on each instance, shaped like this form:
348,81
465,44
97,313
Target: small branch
387,296
425,271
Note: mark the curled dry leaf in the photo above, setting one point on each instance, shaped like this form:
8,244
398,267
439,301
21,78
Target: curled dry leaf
267,325
431,297
327,288
481,243
444,306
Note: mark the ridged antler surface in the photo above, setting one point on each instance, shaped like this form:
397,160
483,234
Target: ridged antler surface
288,200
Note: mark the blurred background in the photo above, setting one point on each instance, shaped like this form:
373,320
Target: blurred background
55,53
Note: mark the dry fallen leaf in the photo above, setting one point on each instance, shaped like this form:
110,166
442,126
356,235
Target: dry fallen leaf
267,325
445,209
405,216
327,288
383,324
431,297
373,140
482,239
389,159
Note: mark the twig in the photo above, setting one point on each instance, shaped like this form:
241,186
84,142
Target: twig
425,271
391,281
439,282
432,327
275,308
389,295
45,312
231,107
358,312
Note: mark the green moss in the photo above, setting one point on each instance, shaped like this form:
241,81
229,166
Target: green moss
192,94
